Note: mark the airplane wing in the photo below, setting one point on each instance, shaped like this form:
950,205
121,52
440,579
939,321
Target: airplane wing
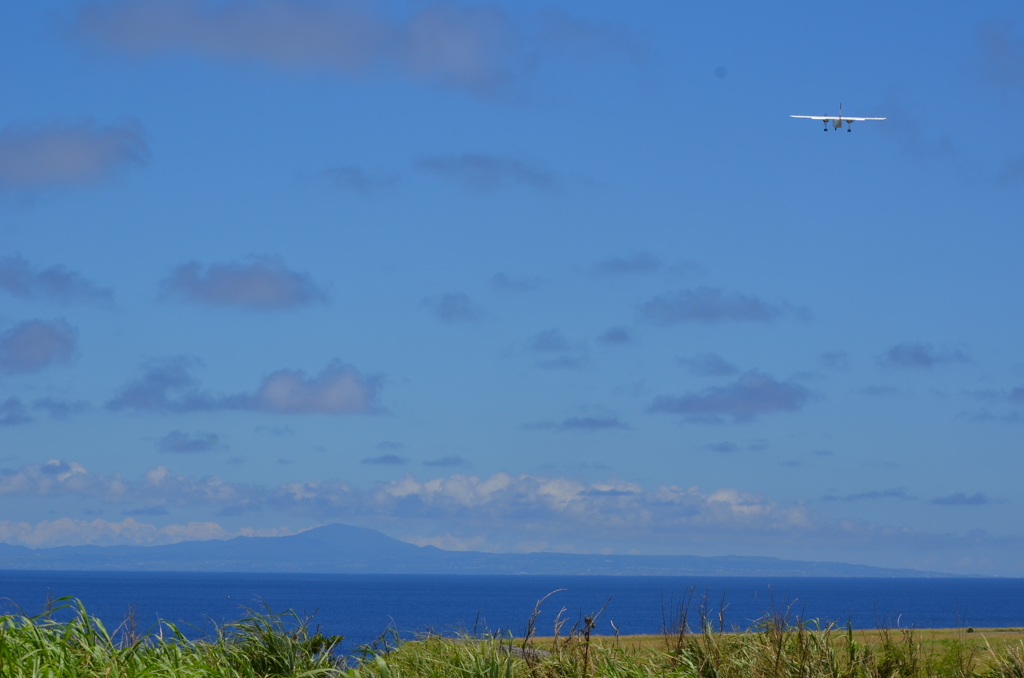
832,117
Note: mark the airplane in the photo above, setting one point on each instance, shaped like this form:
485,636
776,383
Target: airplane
837,122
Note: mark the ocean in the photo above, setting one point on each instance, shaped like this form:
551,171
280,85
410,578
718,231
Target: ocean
362,607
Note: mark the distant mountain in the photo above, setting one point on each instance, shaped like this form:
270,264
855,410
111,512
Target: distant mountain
345,549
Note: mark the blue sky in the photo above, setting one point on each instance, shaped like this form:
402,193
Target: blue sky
515,277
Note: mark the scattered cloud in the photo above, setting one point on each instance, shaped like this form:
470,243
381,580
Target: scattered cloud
709,365
823,453
878,391
1011,172
964,499
388,445
555,351
165,386
562,362
263,284
727,446
59,408
587,40
179,442
1002,54
687,269
617,336
503,282
148,511
754,393
583,424
893,493
446,462
916,355
358,180
836,360
385,460
56,283
67,154
454,307
464,47
723,447
480,49
13,412
168,386
904,127
276,431
482,172
338,389
637,264
36,344
985,414
548,341
712,305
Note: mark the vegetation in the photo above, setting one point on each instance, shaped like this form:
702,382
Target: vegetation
268,645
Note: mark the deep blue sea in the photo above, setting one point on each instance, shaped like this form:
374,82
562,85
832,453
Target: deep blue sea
361,607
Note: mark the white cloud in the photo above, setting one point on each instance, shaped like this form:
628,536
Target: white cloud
338,389
478,47
35,344
62,154
263,284
20,279
483,172
499,499
753,393
453,45
168,386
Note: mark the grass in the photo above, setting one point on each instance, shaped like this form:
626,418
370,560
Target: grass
267,645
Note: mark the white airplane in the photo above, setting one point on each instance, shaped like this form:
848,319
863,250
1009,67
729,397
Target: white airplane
837,121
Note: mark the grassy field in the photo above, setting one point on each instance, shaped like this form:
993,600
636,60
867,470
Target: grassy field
285,645
931,641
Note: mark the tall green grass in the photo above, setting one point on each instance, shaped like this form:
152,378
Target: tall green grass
259,645
266,645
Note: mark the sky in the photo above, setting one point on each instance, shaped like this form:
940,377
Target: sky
516,277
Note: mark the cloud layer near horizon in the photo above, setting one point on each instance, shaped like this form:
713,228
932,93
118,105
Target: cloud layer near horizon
501,500
501,512
99,532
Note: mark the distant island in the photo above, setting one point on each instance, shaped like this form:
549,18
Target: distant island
344,549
